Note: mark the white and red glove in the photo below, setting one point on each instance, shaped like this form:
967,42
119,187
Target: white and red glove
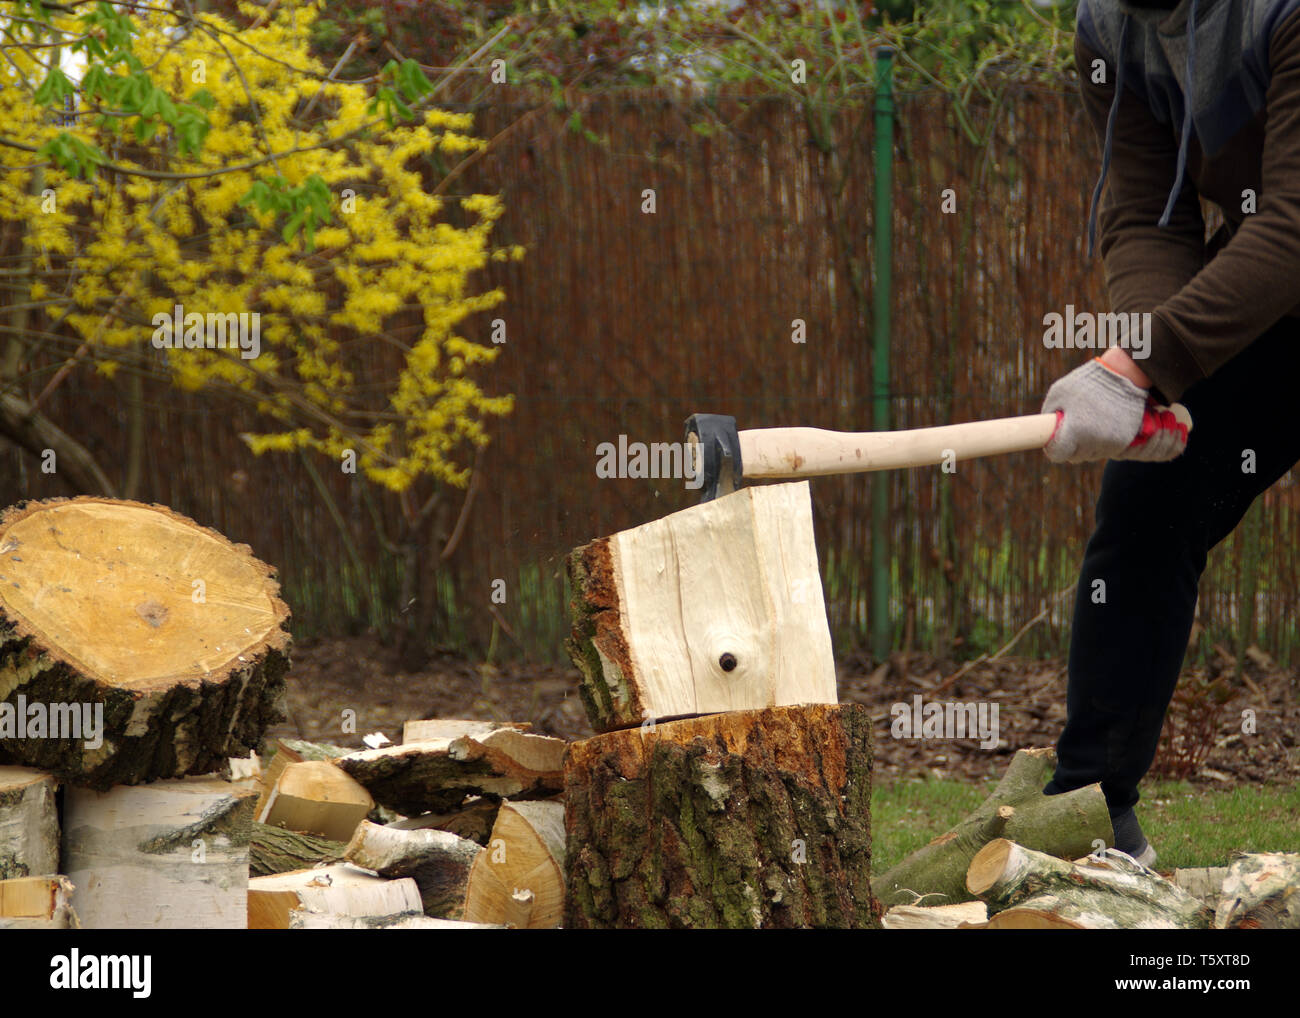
1102,415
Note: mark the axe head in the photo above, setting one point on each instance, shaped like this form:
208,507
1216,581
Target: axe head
715,446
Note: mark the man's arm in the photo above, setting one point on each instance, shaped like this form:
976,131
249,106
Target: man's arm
1145,264
1255,279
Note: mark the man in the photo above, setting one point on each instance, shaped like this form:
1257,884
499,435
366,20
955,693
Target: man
1198,98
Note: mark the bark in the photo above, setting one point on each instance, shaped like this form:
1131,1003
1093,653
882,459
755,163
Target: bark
751,819
1261,892
438,862
274,850
1025,889
1065,825
29,823
168,855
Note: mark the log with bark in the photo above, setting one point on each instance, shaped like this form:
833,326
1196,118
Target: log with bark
275,850
518,880
438,775
134,643
402,921
1261,891
1024,889
29,823
715,608
339,890
1068,825
472,821
167,855
37,903
746,819
439,862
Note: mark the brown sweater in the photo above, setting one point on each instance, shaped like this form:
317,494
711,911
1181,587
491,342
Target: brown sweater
1208,306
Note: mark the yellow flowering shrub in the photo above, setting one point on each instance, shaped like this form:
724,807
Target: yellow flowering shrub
295,201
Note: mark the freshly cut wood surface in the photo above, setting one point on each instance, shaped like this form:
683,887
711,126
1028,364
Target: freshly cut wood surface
715,608
518,880
177,635
340,889
936,917
37,903
438,775
750,819
1066,825
451,728
29,823
438,861
315,797
167,855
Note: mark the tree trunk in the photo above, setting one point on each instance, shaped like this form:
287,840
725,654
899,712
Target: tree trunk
750,819
1066,825
135,644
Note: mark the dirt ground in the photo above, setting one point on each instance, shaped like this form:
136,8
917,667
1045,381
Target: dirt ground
360,674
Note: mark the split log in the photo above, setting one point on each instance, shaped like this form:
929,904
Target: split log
168,855
1261,892
715,608
439,774
29,823
403,921
439,862
1066,825
935,917
518,880
275,850
746,819
136,645
1025,889
473,821
315,797
339,890
451,728
37,903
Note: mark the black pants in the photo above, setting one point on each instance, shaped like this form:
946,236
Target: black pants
1156,522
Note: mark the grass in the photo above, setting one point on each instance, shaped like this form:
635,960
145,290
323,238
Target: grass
1189,825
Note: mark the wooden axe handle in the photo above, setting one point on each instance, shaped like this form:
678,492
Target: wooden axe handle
812,452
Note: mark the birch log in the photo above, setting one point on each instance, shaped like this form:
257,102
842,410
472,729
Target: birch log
715,608
1261,892
29,823
37,903
167,855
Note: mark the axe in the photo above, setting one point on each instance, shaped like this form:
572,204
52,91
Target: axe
725,456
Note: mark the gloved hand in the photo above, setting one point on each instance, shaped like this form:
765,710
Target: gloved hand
1102,415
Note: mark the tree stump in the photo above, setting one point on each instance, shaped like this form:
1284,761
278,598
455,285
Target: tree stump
134,643
749,819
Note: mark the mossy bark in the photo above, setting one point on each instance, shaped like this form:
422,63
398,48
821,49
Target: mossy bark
749,819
